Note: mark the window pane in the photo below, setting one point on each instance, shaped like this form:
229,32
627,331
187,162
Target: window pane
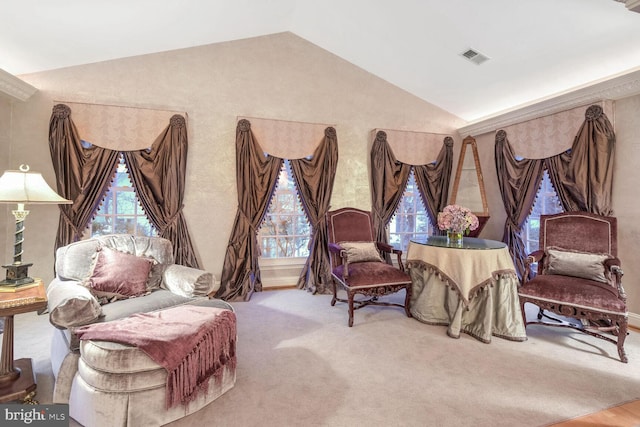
120,210
546,203
125,203
285,230
101,225
268,245
122,178
144,227
107,204
125,225
410,220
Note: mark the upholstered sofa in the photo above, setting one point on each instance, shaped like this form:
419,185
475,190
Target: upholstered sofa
107,383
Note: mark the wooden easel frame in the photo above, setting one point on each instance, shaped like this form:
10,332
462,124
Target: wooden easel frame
470,142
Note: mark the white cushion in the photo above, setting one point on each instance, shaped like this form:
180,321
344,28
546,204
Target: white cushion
585,265
361,251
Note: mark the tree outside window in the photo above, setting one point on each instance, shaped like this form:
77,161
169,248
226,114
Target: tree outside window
546,203
120,211
410,220
285,230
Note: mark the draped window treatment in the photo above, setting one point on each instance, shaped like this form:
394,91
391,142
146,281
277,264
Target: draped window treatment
389,179
83,175
582,177
315,178
256,178
433,180
587,178
158,175
519,181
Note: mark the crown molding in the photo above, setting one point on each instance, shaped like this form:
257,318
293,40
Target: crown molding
14,87
615,88
632,5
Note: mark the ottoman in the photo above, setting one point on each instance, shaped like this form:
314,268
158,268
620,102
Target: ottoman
120,385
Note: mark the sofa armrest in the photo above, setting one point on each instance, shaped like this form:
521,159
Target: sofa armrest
71,304
188,282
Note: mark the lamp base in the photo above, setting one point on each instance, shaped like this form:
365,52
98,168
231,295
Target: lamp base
17,274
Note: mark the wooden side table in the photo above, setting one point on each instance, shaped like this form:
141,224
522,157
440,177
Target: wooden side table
17,380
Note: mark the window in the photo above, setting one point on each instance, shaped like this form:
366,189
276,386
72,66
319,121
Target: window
546,203
285,230
120,210
410,220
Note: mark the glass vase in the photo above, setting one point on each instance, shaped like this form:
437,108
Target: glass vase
454,238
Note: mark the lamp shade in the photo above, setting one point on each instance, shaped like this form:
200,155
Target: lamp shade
22,186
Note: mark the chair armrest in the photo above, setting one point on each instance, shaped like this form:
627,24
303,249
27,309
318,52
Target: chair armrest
533,257
385,247
613,265
71,304
335,248
610,263
188,282
339,250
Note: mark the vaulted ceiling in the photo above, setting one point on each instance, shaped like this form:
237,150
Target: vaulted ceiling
537,49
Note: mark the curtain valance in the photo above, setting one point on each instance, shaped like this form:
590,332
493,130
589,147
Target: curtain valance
119,128
286,139
549,135
84,173
411,147
389,177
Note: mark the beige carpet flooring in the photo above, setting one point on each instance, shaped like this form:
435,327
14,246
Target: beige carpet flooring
299,364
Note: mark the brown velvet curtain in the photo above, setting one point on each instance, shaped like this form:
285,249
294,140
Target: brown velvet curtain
314,179
388,180
433,180
158,175
256,178
519,181
556,168
583,178
83,174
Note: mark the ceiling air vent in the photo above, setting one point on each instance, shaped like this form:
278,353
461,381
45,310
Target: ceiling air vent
475,56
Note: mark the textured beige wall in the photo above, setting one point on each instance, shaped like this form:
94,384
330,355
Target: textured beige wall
626,204
280,76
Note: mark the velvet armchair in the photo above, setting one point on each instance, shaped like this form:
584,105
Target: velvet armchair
358,263
579,277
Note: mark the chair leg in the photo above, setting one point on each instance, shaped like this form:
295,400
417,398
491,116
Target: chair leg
350,308
335,293
622,335
407,301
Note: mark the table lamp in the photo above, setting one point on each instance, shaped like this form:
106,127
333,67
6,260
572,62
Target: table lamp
23,187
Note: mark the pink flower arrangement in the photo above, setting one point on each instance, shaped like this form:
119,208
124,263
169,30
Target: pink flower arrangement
457,219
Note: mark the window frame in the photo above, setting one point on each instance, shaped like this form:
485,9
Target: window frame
417,202
113,191
545,194
292,191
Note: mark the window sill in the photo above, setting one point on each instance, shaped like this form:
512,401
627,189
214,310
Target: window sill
280,272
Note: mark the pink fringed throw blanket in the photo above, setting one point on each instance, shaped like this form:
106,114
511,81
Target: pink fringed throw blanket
192,343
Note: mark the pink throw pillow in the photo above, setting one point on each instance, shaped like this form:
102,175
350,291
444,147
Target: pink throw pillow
118,275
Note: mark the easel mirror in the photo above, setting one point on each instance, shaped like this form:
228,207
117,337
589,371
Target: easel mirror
468,184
